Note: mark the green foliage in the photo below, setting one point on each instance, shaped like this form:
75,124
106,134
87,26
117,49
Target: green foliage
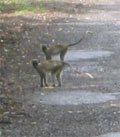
20,7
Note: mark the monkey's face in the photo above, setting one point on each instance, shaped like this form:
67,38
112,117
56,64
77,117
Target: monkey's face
44,48
34,63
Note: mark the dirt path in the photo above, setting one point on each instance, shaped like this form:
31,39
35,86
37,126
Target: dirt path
83,106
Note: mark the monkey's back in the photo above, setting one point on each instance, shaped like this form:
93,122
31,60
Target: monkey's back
51,66
56,49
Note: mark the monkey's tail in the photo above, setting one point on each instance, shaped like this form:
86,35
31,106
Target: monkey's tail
76,42
66,64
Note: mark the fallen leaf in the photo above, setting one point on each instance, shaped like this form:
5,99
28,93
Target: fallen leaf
60,29
6,50
90,32
87,18
113,105
44,17
33,123
89,75
42,94
34,106
70,112
49,73
79,111
49,87
53,40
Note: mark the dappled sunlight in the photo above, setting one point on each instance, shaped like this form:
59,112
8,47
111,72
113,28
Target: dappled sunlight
87,103
73,98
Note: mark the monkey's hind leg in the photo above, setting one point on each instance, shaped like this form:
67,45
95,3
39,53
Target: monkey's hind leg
58,76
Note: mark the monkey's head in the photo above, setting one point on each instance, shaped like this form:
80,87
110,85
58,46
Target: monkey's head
34,63
44,48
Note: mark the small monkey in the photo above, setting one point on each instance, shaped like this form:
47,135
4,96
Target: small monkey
49,66
58,49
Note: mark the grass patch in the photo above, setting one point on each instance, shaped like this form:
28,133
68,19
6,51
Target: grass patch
21,7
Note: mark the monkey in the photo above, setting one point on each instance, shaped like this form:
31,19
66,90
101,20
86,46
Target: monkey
58,50
49,66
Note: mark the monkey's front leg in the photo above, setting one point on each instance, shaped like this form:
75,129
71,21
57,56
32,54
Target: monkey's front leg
45,81
41,81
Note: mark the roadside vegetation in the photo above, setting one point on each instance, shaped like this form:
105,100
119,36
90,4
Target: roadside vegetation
19,43
21,7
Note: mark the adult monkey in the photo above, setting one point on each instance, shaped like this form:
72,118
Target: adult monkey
58,50
49,66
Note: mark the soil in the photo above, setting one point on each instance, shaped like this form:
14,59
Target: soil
21,39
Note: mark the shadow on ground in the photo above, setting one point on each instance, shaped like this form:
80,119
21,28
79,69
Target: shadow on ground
62,7
21,39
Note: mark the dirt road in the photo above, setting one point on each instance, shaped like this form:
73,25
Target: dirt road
87,105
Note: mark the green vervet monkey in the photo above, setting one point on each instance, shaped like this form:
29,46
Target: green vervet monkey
58,50
49,66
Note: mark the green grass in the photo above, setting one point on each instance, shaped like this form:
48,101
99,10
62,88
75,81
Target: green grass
21,7
24,9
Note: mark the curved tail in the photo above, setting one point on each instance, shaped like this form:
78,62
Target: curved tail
76,42
66,64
